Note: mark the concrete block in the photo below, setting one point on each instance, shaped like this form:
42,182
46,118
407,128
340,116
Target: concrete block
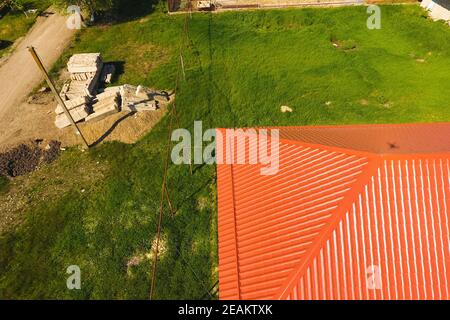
103,113
107,95
71,104
137,98
143,106
100,106
85,62
77,114
115,89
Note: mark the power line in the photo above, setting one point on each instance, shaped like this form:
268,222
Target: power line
195,275
209,291
164,189
61,102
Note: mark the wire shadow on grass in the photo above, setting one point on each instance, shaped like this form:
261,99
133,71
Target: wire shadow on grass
195,193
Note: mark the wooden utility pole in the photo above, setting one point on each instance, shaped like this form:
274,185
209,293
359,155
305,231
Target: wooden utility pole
55,92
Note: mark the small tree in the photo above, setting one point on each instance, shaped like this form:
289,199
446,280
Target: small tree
18,5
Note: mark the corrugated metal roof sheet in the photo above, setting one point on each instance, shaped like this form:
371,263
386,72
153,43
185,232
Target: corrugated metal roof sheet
333,218
380,139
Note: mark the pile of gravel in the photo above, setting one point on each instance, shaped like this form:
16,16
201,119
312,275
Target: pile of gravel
25,158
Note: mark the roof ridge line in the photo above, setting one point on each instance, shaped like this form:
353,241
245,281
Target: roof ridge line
368,153
355,152
373,165
350,125
356,125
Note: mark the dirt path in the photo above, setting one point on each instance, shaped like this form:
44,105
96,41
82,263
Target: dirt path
24,118
18,74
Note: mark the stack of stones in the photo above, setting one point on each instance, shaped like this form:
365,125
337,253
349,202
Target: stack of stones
135,99
104,105
83,101
79,110
85,70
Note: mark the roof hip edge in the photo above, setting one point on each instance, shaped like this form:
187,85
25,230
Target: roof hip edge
349,198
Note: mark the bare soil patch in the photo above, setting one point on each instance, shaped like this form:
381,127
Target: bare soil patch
47,183
141,257
18,73
34,120
25,158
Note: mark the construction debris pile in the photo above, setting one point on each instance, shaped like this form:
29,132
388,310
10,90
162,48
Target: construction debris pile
26,157
85,70
86,102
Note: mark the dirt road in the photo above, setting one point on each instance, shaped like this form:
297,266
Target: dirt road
23,119
18,74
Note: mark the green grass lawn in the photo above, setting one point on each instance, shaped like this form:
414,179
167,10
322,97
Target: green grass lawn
15,24
240,68
3,184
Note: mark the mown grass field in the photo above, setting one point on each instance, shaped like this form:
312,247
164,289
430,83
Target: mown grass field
3,184
240,68
15,24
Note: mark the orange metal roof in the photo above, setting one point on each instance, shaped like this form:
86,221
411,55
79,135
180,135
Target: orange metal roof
344,200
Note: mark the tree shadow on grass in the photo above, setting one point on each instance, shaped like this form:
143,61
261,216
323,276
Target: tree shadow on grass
127,10
134,9
5,44
4,184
